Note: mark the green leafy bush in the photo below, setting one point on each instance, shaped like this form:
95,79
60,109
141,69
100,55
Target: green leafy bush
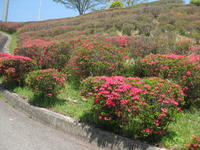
139,107
14,68
127,28
195,2
116,4
181,69
46,82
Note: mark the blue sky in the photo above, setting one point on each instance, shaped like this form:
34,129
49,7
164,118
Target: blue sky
27,10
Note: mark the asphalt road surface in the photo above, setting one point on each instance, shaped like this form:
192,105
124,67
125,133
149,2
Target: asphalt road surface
19,132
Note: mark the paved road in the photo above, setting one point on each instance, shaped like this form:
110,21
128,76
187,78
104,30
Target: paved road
19,132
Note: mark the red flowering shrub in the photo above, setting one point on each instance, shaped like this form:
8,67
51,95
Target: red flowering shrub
195,49
46,82
4,54
14,68
121,41
194,145
33,52
95,57
141,106
49,55
182,69
143,46
10,27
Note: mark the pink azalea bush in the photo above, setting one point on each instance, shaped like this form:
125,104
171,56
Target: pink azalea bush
184,70
14,68
143,107
47,82
95,57
46,54
193,145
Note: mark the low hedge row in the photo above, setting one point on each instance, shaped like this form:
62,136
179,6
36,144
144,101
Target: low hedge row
184,70
49,55
10,27
48,82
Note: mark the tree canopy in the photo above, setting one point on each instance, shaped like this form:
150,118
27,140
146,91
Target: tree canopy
80,5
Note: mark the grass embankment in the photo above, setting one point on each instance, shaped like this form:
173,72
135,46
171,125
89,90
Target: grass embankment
13,43
69,102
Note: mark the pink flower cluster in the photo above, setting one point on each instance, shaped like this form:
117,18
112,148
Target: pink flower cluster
194,144
182,69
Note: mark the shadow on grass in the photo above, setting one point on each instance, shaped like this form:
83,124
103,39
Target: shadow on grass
46,102
103,138
10,85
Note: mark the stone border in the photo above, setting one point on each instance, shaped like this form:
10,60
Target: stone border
6,42
84,132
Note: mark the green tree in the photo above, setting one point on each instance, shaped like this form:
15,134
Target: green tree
195,2
81,5
117,4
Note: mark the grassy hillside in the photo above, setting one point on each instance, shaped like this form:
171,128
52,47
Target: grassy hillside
150,20
111,43
166,26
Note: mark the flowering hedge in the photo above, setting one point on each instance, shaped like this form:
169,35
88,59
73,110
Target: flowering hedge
95,57
49,55
184,70
141,106
4,54
46,82
193,145
10,27
14,68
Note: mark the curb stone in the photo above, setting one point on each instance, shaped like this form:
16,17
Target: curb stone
84,132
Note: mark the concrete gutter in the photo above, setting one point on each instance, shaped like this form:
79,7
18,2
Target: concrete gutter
84,132
5,40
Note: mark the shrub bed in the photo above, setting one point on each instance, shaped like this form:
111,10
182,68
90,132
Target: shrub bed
10,27
193,145
49,55
95,57
14,68
182,69
47,82
4,54
141,107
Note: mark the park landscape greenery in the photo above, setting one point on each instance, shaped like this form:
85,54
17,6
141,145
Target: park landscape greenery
133,71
